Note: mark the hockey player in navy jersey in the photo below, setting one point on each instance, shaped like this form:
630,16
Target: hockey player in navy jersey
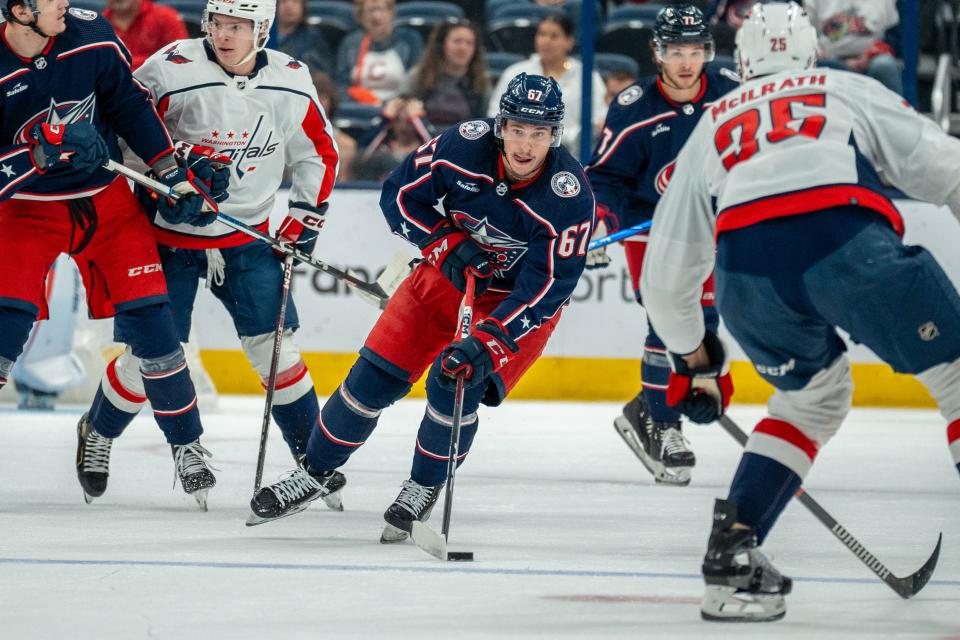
645,129
66,93
517,216
778,186
257,110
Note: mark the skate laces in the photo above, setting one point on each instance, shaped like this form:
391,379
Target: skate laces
96,457
188,460
295,485
673,441
415,497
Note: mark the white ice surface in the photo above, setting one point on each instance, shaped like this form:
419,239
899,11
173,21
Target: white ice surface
571,537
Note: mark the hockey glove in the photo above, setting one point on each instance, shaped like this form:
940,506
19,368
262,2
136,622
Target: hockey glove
208,165
485,352
702,394
456,255
195,206
78,144
607,223
302,231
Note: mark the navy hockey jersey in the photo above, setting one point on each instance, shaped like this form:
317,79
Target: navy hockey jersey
535,232
642,136
83,74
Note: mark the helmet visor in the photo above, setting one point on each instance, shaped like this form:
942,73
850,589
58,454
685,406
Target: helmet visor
692,53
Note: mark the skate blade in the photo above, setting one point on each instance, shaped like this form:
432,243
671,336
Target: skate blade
253,519
672,476
392,535
87,497
200,495
725,604
333,501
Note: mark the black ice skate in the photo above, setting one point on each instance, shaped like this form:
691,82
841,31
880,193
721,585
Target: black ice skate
31,399
742,584
192,469
93,459
294,493
415,502
660,446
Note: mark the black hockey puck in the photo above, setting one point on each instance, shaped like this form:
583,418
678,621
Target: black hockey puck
460,556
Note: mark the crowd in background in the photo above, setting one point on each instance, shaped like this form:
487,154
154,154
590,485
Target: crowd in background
418,89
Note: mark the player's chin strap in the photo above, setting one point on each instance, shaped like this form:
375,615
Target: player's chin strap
8,16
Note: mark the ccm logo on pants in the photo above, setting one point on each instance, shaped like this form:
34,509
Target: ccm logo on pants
147,268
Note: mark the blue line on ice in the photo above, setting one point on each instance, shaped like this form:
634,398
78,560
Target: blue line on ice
450,568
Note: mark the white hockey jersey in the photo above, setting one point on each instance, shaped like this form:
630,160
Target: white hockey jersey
782,145
265,122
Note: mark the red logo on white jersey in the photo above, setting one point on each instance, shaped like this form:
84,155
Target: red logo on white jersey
663,178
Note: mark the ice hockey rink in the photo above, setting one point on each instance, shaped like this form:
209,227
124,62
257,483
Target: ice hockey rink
570,534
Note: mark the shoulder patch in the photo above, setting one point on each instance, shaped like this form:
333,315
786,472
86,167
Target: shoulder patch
83,14
565,184
729,74
173,55
474,129
629,95
294,64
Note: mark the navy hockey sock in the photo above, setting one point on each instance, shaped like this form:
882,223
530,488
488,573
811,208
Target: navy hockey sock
295,406
432,451
655,373
15,325
761,489
350,415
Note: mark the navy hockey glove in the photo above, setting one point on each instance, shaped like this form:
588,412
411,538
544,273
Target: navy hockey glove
702,394
302,231
78,144
208,165
485,352
456,255
195,206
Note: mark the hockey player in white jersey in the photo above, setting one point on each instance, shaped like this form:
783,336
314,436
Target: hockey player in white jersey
779,182
227,97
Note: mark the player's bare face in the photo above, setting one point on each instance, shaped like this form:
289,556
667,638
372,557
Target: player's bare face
681,65
52,20
525,148
232,40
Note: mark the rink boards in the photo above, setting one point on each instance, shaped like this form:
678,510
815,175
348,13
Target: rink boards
593,355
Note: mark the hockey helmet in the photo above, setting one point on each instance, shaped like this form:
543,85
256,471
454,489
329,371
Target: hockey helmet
261,12
532,99
775,37
682,24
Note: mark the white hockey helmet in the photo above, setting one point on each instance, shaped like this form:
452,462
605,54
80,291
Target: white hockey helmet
261,12
775,36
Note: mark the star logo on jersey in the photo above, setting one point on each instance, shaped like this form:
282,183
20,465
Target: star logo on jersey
173,55
663,177
525,322
244,147
502,250
7,170
67,112
294,64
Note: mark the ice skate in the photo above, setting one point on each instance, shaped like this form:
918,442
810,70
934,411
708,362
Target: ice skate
660,446
294,493
93,459
742,584
31,399
415,502
192,469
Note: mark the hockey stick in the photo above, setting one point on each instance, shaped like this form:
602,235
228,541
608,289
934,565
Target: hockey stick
619,235
274,366
905,587
373,291
425,537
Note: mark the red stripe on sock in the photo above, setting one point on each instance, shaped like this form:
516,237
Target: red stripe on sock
290,377
953,431
334,439
177,412
435,456
122,391
789,433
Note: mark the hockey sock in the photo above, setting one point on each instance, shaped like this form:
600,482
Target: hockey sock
432,451
119,397
15,325
655,374
761,489
152,337
953,440
350,415
295,406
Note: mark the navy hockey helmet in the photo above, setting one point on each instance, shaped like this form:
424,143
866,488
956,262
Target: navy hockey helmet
532,99
682,24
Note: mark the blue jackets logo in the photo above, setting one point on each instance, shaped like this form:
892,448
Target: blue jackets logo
663,177
502,250
565,184
68,112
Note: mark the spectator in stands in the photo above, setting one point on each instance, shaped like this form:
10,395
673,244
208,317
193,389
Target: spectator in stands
851,37
553,43
452,79
329,97
144,27
374,60
616,81
725,17
299,40
403,129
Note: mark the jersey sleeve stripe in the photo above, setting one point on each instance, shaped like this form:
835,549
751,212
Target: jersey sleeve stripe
459,169
11,76
403,209
14,183
550,278
317,130
94,45
627,131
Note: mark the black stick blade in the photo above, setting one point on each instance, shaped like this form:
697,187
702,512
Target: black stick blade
909,586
